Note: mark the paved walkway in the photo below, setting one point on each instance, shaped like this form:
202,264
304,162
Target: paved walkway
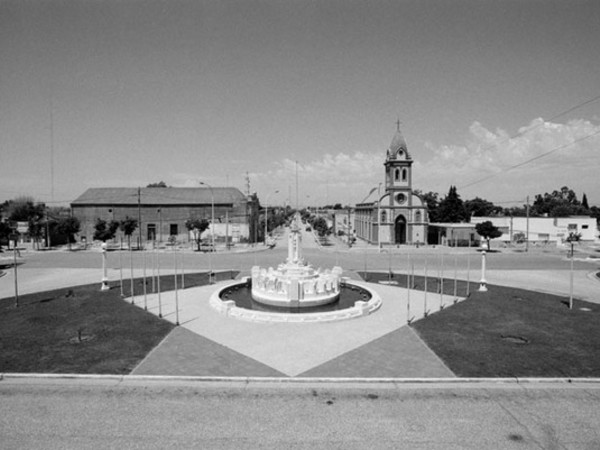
296,349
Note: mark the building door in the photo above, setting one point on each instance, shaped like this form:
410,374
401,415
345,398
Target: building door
400,230
151,232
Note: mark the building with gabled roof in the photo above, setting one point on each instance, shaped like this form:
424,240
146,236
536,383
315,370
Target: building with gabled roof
163,212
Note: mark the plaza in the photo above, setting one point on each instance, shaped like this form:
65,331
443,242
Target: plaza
381,345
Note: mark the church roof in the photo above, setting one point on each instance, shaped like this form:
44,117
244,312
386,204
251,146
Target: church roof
398,144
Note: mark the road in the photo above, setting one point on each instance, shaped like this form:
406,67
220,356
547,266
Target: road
177,414
544,269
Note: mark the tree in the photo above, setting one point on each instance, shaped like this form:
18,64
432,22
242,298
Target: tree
4,233
519,237
69,227
488,231
572,238
104,231
515,211
595,213
320,226
432,201
197,227
560,203
479,207
584,202
128,226
21,209
452,208
160,184
36,228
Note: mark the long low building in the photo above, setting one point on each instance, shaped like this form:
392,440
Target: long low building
540,230
163,212
543,229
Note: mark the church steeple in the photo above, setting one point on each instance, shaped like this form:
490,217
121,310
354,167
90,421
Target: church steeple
398,148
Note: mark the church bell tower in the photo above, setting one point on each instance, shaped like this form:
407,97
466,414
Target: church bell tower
398,171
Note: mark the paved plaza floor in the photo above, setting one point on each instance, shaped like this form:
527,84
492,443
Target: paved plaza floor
209,343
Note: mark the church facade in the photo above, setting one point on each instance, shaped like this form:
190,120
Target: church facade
398,216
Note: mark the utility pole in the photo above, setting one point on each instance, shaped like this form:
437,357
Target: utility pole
227,229
527,227
140,217
47,227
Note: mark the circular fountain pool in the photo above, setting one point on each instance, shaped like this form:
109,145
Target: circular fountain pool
235,300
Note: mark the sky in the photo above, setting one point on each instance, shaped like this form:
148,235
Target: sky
500,98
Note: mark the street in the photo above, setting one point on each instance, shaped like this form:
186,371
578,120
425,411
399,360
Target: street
545,269
63,414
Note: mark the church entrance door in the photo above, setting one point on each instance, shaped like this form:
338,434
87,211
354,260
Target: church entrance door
400,230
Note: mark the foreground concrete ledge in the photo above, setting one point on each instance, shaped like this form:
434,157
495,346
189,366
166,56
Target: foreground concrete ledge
284,382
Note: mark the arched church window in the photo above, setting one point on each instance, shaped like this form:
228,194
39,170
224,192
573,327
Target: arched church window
404,174
397,174
383,216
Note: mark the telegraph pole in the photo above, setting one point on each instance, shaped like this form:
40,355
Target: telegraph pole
527,227
140,217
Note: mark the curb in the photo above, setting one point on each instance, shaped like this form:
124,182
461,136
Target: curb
40,378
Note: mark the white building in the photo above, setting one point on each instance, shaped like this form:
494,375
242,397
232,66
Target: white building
543,229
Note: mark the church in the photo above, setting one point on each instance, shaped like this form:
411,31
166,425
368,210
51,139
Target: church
398,216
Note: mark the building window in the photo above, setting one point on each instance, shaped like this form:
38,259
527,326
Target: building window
173,230
397,174
418,216
404,174
572,227
383,216
584,227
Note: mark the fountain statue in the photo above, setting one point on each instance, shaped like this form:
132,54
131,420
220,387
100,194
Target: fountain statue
295,284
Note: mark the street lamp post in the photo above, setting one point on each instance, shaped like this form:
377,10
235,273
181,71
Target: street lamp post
212,228
379,218
159,210
104,286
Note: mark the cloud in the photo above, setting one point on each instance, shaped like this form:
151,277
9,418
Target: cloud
542,156
340,178
487,165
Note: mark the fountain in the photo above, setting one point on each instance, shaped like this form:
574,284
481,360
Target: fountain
295,283
295,291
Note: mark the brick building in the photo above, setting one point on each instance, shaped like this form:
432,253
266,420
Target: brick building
163,212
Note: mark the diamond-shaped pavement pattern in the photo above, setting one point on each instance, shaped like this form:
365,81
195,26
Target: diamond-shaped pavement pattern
184,353
399,354
293,349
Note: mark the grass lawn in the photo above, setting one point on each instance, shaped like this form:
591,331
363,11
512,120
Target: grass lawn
508,332
81,329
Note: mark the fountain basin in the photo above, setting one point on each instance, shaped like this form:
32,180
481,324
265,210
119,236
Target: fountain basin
368,302
295,285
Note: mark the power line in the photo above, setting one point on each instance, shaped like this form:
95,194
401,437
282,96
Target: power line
528,130
530,160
